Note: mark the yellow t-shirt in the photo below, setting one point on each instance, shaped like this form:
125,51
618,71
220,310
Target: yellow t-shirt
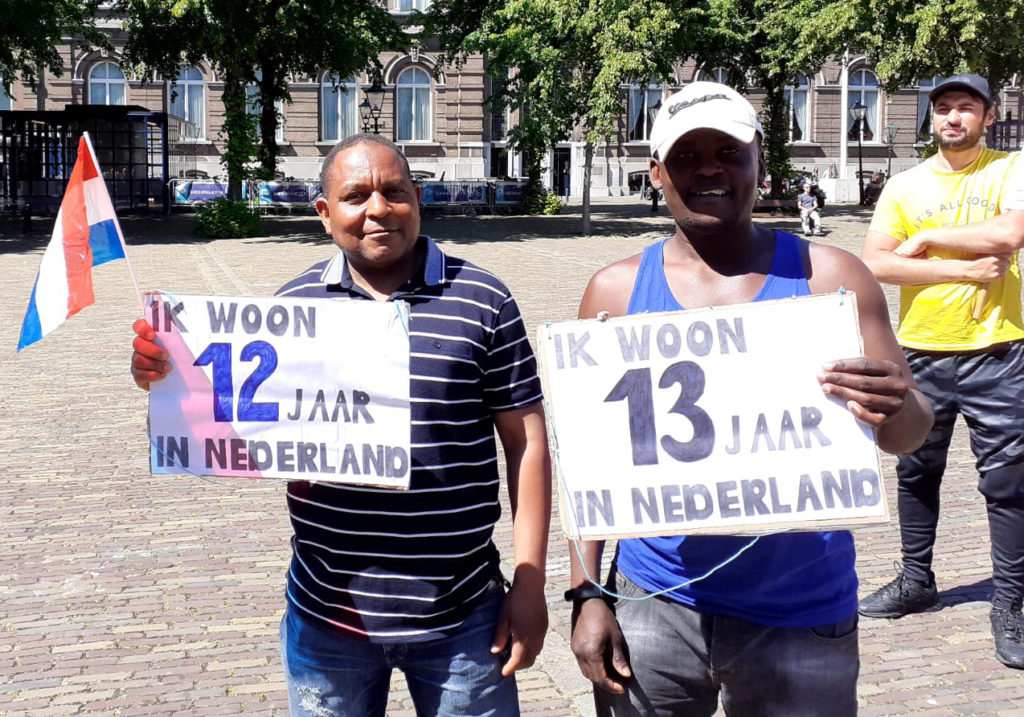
938,317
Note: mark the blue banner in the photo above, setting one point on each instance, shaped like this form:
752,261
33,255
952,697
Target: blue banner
284,193
195,191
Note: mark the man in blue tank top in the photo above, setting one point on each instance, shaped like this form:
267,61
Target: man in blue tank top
775,630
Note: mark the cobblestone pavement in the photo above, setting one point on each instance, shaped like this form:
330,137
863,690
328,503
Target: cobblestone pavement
123,593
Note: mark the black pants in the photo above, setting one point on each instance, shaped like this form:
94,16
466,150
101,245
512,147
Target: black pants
987,388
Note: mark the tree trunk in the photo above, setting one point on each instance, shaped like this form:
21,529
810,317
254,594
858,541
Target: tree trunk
776,134
238,127
269,95
588,164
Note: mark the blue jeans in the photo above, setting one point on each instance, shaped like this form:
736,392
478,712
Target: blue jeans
682,659
330,675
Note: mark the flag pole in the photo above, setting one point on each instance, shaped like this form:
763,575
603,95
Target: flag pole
117,224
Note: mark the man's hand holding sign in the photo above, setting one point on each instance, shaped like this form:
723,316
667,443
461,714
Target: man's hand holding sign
251,395
761,605
696,441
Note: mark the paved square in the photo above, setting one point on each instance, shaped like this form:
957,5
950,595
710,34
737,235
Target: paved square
123,593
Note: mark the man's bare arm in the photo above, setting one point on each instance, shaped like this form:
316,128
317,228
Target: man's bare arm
880,255
1001,234
597,641
878,388
523,618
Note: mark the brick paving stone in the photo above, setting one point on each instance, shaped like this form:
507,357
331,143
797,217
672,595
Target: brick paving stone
119,589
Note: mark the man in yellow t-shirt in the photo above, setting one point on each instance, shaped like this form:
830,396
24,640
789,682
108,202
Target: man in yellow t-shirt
940,232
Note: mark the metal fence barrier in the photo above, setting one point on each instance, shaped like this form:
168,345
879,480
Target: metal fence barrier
474,194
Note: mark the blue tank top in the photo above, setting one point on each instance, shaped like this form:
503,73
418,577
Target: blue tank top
785,579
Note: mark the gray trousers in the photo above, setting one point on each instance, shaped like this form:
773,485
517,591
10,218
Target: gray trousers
682,660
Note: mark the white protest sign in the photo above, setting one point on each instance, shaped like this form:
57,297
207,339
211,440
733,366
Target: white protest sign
709,421
300,389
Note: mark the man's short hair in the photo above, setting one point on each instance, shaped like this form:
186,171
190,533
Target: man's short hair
352,141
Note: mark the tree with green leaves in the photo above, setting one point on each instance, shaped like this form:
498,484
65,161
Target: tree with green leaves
261,43
913,39
31,31
758,42
561,63
342,37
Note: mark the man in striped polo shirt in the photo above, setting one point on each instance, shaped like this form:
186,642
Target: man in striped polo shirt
380,578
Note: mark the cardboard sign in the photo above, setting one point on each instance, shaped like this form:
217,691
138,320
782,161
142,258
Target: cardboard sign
300,389
709,421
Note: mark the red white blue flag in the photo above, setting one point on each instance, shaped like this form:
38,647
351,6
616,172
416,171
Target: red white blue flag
85,235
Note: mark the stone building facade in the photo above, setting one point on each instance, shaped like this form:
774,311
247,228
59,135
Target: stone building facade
439,117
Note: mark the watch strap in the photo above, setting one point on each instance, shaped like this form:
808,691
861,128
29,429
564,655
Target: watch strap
586,591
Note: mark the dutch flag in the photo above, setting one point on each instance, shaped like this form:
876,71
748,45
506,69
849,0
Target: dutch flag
85,235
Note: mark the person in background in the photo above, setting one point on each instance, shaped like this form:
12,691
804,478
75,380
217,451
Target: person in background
941,232
810,216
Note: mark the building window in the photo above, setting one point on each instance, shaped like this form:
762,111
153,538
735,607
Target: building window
412,96
644,103
410,5
796,103
718,74
6,102
924,109
107,85
188,101
864,89
254,106
338,107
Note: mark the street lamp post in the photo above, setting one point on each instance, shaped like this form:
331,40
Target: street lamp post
858,112
890,142
370,108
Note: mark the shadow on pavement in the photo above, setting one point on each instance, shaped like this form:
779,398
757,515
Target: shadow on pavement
980,591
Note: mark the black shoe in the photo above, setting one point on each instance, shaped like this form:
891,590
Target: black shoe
1008,630
900,597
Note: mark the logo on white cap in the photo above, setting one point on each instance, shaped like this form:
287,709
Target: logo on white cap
703,105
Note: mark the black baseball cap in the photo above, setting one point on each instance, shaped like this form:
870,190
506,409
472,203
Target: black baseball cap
974,84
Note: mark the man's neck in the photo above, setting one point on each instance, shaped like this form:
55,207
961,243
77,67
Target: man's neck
953,160
382,284
739,249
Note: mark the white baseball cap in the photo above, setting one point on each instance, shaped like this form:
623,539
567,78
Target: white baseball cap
703,105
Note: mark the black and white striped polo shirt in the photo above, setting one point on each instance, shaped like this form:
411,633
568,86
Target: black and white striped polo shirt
400,566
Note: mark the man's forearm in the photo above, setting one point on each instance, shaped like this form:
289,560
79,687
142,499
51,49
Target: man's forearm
891,268
590,568
998,235
533,516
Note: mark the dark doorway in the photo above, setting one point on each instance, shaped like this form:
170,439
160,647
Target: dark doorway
563,171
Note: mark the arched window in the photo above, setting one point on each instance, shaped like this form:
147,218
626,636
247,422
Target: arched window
106,84
924,109
254,106
644,103
412,97
188,101
864,89
796,101
338,108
